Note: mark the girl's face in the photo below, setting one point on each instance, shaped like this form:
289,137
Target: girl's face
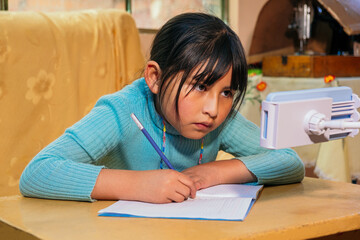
201,110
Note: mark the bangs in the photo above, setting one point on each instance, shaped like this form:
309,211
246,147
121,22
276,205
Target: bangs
212,70
214,63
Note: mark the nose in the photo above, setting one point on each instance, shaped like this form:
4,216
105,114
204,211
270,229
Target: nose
211,105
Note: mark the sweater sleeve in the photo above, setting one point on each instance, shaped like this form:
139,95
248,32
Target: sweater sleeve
241,138
67,168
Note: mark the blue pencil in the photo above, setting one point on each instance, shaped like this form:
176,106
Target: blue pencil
147,135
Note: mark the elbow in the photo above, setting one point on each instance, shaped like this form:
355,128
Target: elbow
34,177
299,172
295,165
288,169
25,184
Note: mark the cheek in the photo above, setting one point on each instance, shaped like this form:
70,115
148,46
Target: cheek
187,108
225,108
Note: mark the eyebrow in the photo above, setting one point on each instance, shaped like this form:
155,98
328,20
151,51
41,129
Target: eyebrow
229,88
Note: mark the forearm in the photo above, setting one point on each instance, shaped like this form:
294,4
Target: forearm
156,186
113,184
219,172
276,167
233,171
240,138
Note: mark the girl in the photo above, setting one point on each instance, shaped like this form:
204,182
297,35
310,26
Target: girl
196,76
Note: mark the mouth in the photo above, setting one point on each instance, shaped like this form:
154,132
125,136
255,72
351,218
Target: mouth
203,125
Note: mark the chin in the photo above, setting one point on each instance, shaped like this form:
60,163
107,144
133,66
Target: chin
195,135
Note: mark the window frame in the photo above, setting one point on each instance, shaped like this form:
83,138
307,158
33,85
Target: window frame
224,15
4,5
128,6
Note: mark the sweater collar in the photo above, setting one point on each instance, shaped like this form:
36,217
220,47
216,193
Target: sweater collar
155,116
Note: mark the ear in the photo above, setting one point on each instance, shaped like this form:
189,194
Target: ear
152,74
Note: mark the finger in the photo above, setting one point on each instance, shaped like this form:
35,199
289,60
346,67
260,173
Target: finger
198,185
168,200
177,197
187,181
198,182
183,190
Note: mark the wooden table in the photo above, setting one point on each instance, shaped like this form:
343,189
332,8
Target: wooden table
311,209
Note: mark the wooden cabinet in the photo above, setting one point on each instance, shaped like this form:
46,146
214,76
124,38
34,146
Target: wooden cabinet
311,66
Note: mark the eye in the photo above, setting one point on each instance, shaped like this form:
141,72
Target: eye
227,93
200,87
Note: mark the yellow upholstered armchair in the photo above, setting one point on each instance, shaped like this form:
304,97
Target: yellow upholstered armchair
53,69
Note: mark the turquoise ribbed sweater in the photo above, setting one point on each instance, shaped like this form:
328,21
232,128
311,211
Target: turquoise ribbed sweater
107,137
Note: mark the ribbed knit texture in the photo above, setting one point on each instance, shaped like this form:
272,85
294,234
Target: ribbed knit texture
107,137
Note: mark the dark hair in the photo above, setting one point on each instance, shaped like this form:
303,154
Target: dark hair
193,40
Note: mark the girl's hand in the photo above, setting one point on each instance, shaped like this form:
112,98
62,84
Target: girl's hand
164,186
219,172
204,175
155,186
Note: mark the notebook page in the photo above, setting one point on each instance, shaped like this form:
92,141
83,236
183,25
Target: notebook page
230,190
212,209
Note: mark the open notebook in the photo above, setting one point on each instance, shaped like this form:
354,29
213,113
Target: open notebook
230,202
